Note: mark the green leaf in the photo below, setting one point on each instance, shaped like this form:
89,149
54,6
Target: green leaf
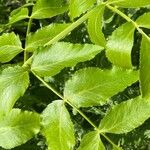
17,15
143,21
57,127
119,46
10,46
144,67
13,83
76,7
95,26
126,116
130,3
93,86
18,127
48,8
43,35
91,141
52,59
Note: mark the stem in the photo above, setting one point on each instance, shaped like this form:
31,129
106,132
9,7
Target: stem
82,114
73,106
110,141
27,33
25,55
48,86
114,9
29,27
69,29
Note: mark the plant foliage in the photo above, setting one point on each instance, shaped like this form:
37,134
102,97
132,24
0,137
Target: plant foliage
54,59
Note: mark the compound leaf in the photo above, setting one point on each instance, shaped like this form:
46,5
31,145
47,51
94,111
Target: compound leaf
43,35
126,116
58,127
144,67
17,15
91,141
130,3
93,86
76,7
119,46
13,83
18,127
10,46
52,59
143,21
95,26
48,8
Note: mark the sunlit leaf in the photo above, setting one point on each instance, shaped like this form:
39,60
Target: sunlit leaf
130,3
93,86
48,8
10,46
18,127
143,21
119,46
91,141
18,14
144,67
13,83
58,127
126,116
52,59
95,26
76,7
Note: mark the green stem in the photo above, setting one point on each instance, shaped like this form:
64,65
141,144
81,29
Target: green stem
110,141
27,33
73,106
114,9
29,27
69,29
82,114
25,55
48,86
